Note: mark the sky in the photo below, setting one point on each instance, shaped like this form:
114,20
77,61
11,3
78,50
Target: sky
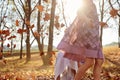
110,34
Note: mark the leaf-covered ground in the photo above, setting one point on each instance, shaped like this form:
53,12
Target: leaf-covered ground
16,69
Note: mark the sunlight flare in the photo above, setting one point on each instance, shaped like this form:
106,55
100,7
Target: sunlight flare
71,7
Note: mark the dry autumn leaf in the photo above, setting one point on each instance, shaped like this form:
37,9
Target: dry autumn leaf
5,32
40,8
57,17
36,34
20,31
0,31
17,23
62,25
47,17
30,27
27,22
13,36
8,45
103,24
14,46
46,33
113,12
57,25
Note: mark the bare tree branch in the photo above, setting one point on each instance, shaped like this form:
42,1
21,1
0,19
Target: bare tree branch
63,13
34,7
18,10
112,6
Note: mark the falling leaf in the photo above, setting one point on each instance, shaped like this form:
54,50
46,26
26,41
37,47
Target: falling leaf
13,36
47,17
57,25
14,46
8,45
58,33
36,34
20,31
46,33
113,12
62,25
1,31
17,23
40,8
103,24
9,38
57,17
5,32
27,22
41,53
30,27
5,17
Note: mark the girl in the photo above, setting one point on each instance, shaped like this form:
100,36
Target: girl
81,41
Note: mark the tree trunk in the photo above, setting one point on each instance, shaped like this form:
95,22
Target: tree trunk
40,46
28,13
102,13
50,43
119,34
119,26
21,42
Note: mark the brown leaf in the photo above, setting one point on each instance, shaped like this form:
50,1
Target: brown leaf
36,34
62,25
41,53
8,45
20,31
17,23
1,31
14,46
46,33
27,22
31,26
47,17
57,25
57,17
103,24
113,12
40,8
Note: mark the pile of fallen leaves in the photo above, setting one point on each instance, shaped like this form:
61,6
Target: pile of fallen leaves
16,69
31,75
23,75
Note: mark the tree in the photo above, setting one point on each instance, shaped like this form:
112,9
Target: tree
114,12
3,10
